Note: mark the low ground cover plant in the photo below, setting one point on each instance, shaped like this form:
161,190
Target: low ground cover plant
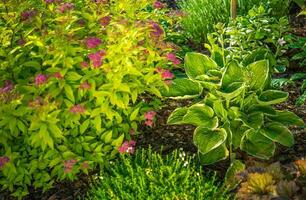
71,74
149,175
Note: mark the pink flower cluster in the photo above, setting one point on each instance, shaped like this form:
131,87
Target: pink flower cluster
40,79
158,5
26,15
77,109
93,42
149,117
97,58
104,21
66,6
85,86
68,165
8,86
127,147
84,64
157,31
172,57
58,75
166,75
4,160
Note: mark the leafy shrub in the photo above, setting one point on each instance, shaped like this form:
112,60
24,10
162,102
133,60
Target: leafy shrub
148,175
71,76
236,111
255,32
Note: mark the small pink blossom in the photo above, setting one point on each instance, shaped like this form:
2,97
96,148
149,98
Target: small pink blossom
132,132
84,64
149,123
85,86
3,161
105,21
149,115
77,109
21,42
84,165
49,1
26,15
166,74
66,6
158,5
127,147
82,22
8,86
168,82
93,42
58,75
172,57
281,41
157,31
68,165
40,79
96,58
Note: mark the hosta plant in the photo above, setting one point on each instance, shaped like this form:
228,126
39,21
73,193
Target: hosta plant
234,109
71,77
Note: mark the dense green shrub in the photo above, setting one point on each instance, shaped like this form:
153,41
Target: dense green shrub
202,15
256,32
71,76
149,175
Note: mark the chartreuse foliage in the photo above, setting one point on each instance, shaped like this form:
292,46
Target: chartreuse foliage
235,111
73,74
149,175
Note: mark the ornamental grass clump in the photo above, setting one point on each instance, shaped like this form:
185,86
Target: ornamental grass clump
149,175
71,76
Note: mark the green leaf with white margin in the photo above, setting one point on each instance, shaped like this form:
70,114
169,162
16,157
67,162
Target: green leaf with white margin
238,130
219,109
230,177
287,118
258,73
117,142
183,88
197,64
176,117
207,139
217,154
254,120
233,73
200,115
232,91
270,97
257,145
277,132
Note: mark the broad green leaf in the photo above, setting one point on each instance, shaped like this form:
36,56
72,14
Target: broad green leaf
184,88
287,118
258,73
260,108
217,154
117,142
230,177
69,92
197,64
238,129
232,90
257,144
277,132
176,117
207,139
233,73
254,120
220,110
200,115
259,54
73,76
134,114
107,136
55,130
270,97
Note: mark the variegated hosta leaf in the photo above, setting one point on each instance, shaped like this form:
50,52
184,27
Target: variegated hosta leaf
258,73
256,144
287,118
197,64
207,139
270,97
183,88
215,155
177,115
277,132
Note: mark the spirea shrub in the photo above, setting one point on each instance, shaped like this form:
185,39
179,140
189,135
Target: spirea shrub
71,76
